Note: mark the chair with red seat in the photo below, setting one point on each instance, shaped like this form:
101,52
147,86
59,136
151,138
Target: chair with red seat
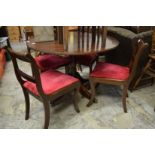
45,86
113,74
50,61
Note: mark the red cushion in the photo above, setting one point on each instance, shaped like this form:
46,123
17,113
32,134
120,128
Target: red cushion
2,56
49,61
2,62
51,81
110,71
86,59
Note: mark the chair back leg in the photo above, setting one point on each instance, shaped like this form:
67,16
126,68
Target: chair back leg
125,94
27,103
93,92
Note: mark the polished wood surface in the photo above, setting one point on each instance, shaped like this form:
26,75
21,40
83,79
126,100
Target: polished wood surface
77,45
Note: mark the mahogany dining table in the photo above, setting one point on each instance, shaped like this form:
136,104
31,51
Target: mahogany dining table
76,45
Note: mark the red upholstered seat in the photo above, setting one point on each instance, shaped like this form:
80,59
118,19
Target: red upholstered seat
51,81
2,56
2,62
50,61
110,71
86,59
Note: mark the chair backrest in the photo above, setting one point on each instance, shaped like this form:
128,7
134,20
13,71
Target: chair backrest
21,75
96,32
95,36
140,49
58,34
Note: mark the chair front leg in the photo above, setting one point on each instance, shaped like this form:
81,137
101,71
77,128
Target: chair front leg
76,107
93,92
27,103
47,113
125,94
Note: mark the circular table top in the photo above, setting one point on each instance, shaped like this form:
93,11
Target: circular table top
75,45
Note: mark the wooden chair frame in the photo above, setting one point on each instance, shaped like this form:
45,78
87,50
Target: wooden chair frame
35,78
124,83
149,68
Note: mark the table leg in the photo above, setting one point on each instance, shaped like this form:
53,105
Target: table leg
84,88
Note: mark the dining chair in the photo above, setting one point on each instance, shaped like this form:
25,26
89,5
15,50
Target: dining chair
149,68
45,86
113,74
96,32
50,61
2,62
